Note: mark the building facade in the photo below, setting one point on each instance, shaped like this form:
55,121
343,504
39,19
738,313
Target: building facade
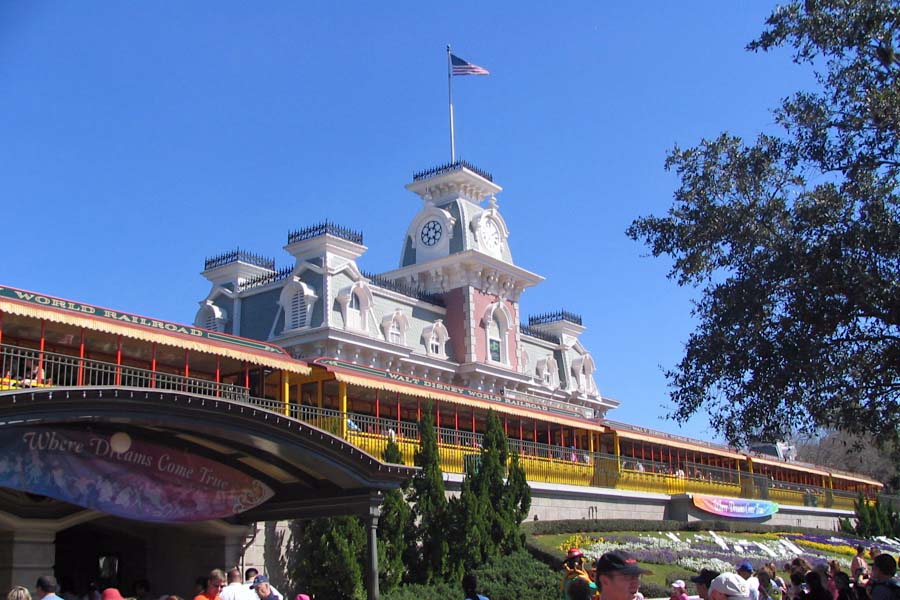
449,313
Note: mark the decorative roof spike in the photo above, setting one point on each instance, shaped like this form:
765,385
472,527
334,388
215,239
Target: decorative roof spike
266,278
403,288
239,255
325,227
552,317
450,167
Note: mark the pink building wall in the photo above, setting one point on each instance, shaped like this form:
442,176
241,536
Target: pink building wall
482,301
455,322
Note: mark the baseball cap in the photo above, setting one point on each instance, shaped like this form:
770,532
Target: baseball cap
111,594
745,566
732,585
705,576
258,580
678,583
574,553
620,562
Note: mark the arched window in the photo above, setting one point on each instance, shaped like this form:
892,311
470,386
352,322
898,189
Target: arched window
211,317
496,322
435,338
495,341
547,371
395,325
524,359
297,300
356,303
583,372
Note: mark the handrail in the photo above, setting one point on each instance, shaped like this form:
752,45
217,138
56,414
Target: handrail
666,436
26,367
29,367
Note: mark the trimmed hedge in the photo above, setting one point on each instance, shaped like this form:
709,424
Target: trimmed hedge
509,577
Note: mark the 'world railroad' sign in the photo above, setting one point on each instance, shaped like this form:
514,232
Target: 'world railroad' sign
121,317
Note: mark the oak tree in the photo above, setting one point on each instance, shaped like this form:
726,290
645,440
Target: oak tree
793,241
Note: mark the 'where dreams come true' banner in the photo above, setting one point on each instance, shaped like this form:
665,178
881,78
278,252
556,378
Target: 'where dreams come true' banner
118,475
735,507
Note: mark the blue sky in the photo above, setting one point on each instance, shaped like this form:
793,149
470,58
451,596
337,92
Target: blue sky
137,138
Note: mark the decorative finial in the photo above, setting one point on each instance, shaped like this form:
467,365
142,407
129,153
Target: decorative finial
493,201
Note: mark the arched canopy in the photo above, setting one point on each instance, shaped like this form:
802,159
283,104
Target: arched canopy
288,469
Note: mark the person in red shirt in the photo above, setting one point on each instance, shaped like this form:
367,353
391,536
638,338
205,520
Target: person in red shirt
215,582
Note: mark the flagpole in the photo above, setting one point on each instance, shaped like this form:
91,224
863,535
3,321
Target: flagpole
450,102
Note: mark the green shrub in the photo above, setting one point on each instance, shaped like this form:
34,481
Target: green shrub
516,576
508,577
420,591
576,525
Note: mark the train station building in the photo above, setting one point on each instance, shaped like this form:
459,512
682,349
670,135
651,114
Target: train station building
135,448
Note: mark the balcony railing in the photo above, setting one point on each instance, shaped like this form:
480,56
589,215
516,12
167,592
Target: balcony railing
26,368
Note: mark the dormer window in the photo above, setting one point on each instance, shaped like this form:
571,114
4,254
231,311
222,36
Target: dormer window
356,305
211,317
547,372
297,300
583,371
434,344
435,338
394,325
297,315
524,359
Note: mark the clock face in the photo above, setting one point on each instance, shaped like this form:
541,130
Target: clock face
490,235
431,233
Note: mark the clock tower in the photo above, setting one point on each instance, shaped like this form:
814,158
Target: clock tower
457,246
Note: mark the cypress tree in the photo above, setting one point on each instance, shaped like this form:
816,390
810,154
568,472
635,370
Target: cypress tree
489,485
863,517
518,495
468,531
396,519
429,500
326,557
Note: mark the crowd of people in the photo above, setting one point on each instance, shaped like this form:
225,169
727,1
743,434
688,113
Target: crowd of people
217,585
616,575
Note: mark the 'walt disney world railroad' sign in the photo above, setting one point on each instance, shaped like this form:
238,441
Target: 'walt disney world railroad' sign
123,476
121,317
735,507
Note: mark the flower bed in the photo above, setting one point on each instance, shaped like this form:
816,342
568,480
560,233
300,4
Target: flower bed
721,552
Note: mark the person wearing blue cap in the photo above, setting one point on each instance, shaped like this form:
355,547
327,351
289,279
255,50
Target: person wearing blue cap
745,570
262,588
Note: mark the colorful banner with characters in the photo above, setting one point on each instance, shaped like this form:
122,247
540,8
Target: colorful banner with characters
735,507
119,475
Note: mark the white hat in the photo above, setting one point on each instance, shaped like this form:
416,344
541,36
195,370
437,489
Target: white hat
678,583
732,585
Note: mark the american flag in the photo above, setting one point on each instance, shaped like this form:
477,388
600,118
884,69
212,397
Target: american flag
461,67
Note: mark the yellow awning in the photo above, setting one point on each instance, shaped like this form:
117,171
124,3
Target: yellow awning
857,479
789,466
632,435
146,334
411,390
